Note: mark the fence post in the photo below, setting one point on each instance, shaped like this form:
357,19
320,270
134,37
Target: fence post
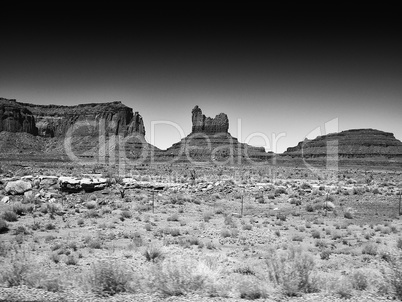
153,202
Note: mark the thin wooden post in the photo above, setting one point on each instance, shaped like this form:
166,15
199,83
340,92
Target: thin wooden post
153,202
400,198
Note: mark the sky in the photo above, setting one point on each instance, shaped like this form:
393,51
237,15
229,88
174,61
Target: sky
279,80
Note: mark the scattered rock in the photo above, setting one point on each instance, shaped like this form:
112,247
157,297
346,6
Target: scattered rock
17,187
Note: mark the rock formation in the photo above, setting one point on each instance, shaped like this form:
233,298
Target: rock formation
357,146
210,141
351,143
16,118
55,120
90,126
207,125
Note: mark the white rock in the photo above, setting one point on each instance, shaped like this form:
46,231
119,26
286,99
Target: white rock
5,199
17,187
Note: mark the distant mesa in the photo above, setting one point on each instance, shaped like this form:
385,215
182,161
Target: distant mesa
353,146
55,120
87,123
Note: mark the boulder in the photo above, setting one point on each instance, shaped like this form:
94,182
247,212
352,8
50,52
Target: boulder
69,184
5,199
91,184
17,187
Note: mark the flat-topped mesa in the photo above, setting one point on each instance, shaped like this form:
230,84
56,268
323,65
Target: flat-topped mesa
208,125
56,120
355,143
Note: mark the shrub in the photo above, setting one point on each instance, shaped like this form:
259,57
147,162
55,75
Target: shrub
71,260
399,243
107,278
252,289
93,243
281,217
336,235
292,271
21,230
126,214
174,217
92,204
309,208
10,216
153,253
297,238
321,244
348,215
315,234
92,213
19,208
177,277
225,233
279,191
370,249
325,254
359,280
3,226
18,271
50,226
247,227
207,216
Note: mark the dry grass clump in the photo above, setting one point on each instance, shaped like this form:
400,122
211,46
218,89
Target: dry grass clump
107,278
292,271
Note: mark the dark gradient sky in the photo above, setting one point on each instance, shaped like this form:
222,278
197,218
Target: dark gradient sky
285,75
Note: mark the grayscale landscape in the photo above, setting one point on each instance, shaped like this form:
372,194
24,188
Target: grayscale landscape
235,163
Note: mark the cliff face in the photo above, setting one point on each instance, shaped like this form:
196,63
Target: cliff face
356,143
56,121
16,118
208,125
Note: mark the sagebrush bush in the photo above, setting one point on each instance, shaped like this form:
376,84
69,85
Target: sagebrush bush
370,248
107,278
10,216
3,226
19,208
309,208
153,253
18,271
177,277
292,271
359,280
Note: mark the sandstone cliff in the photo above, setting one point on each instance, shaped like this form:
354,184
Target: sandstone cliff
90,126
14,117
55,120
